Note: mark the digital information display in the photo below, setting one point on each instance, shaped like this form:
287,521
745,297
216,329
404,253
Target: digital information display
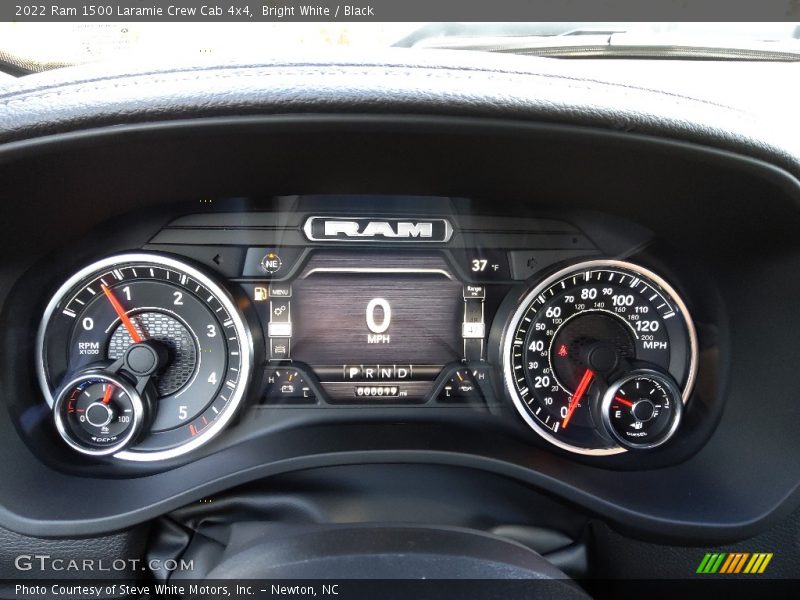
377,319
367,326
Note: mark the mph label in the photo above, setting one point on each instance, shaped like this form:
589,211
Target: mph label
379,317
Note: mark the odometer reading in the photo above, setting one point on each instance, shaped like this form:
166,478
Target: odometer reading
580,329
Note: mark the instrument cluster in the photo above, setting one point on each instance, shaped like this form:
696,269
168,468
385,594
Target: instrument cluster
151,353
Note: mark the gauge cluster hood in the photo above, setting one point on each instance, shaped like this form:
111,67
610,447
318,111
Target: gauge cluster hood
710,104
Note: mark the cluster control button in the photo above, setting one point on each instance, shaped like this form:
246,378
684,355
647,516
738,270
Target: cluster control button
280,290
279,328
473,291
279,348
473,327
475,331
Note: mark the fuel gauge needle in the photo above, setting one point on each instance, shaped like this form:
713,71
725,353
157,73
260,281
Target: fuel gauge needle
576,397
126,321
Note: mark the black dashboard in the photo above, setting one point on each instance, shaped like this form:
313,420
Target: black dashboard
147,354
199,302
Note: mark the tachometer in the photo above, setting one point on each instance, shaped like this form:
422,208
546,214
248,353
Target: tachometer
166,344
581,330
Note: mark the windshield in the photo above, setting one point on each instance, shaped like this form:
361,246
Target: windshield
88,42
58,43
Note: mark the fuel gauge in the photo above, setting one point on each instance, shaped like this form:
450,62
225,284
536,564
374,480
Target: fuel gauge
642,409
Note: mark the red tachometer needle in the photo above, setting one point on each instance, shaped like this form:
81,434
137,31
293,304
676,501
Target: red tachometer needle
107,395
623,401
576,397
121,314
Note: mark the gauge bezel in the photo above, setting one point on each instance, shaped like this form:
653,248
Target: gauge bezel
224,297
668,383
522,307
136,403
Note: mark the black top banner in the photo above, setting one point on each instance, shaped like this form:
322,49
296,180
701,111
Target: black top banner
398,10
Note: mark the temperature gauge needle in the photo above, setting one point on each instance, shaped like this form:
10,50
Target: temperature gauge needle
107,395
126,321
576,397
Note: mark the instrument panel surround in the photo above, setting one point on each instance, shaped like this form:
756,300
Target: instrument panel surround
700,264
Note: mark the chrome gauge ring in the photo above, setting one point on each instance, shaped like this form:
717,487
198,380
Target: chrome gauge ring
116,312
577,331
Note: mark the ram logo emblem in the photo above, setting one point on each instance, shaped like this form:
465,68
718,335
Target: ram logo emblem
330,229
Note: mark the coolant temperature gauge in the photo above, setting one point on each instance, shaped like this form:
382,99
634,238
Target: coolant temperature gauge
642,409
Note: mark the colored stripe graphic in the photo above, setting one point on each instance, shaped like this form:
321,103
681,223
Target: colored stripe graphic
711,562
728,561
758,563
716,565
703,563
765,563
741,562
734,563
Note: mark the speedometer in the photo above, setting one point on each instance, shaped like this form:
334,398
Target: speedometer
576,333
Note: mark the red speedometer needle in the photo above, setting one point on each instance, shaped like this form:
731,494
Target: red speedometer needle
121,314
576,397
107,395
